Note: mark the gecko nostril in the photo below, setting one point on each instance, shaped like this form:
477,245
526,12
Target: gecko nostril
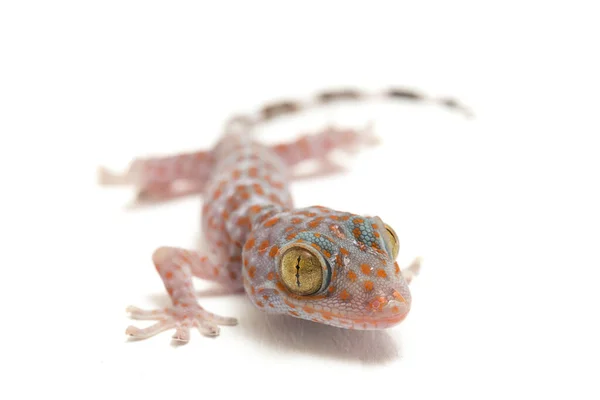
378,303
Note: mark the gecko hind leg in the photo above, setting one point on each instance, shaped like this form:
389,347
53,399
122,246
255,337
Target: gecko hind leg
177,268
158,174
320,145
165,192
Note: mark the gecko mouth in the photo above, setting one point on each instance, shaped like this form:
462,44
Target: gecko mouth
386,315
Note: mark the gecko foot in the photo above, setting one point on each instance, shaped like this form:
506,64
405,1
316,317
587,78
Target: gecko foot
179,317
413,269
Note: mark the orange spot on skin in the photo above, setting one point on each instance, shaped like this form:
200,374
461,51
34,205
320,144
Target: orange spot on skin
303,144
368,286
327,253
266,297
296,220
381,273
358,221
375,227
259,303
253,172
344,251
249,244
245,262
395,309
255,209
294,313
273,197
326,315
352,276
235,259
365,268
315,222
274,251
271,222
263,246
169,275
289,304
270,276
215,271
289,228
356,232
397,268
236,174
344,295
232,275
290,236
271,305
240,188
280,287
316,246
258,189
398,296
331,289
170,291
243,222
308,310
251,272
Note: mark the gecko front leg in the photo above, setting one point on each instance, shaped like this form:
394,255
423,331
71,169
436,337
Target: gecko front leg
176,268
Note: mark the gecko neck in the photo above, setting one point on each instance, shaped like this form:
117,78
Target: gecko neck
266,211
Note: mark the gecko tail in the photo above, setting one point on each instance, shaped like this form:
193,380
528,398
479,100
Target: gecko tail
244,124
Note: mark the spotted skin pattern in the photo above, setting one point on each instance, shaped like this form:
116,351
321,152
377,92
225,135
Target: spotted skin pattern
249,219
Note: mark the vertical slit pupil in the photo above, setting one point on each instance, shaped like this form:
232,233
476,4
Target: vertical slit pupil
298,271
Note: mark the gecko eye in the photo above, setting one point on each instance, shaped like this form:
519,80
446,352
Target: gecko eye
302,271
391,239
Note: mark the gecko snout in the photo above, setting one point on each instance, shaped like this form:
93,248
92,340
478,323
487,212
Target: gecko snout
391,309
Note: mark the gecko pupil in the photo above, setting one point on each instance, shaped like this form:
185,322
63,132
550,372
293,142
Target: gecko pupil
298,271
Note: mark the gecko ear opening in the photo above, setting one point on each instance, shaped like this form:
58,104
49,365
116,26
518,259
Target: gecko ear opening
302,271
392,241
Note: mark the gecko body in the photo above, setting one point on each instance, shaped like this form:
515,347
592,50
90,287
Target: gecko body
315,263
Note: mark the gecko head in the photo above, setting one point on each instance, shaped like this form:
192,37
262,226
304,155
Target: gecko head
334,268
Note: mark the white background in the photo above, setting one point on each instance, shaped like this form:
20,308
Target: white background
503,208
